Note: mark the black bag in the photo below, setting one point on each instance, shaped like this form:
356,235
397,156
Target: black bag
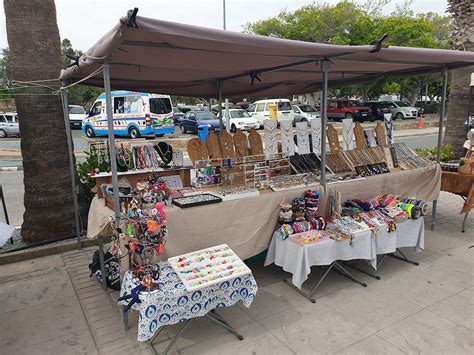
112,269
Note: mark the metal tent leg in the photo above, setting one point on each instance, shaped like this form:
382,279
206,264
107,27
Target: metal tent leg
403,257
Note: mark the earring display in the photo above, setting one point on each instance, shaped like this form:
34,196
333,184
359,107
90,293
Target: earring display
302,137
256,146
226,144
380,133
197,150
207,267
240,144
213,146
287,137
269,134
347,134
235,192
333,139
290,182
316,135
196,200
359,136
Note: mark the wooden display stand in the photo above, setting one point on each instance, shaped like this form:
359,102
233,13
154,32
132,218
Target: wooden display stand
462,185
359,136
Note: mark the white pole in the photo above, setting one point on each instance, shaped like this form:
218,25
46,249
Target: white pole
223,13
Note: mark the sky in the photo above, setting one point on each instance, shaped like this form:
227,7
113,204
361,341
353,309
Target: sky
85,21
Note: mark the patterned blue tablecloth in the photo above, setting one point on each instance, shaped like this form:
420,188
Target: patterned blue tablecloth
172,303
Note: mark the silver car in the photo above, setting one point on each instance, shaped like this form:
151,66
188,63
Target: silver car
9,124
305,113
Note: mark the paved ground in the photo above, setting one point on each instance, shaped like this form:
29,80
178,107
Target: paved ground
50,305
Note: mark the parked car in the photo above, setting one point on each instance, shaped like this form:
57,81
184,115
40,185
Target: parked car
192,119
177,115
135,114
240,119
9,124
403,110
76,116
354,109
305,113
378,109
260,110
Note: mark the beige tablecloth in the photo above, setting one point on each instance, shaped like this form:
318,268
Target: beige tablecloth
247,225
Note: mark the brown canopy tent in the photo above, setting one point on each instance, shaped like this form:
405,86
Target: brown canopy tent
143,54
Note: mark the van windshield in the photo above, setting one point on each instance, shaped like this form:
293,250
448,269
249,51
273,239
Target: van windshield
160,105
284,106
306,108
76,110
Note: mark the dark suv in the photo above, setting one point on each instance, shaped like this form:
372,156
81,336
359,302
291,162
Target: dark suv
339,109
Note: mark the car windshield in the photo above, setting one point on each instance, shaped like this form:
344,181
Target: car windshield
204,115
306,108
284,106
402,104
76,110
239,114
354,103
160,105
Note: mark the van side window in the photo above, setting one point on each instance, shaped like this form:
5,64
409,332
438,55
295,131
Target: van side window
96,109
284,106
133,104
251,108
261,107
119,104
3,119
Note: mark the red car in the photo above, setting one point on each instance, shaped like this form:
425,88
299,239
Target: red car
339,109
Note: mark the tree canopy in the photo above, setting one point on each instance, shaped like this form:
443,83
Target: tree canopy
351,24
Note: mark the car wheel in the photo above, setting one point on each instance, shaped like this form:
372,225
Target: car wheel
399,116
304,120
90,132
183,129
348,115
233,128
3,134
133,132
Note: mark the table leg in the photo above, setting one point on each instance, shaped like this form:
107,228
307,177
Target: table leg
403,257
464,222
219,320
369,273
349,275
125,319
173,341
309,295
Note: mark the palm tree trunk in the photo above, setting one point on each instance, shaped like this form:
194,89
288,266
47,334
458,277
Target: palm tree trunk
33,39
458,106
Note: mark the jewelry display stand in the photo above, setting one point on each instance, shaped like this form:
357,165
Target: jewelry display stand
256,146
240,144
269,134
347,134
370,137
359,136
333,139
388,122
197,150
316,135
302,137
287,138
380,133
226,144
213,146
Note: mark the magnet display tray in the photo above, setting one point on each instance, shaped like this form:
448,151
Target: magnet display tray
186,202
206,267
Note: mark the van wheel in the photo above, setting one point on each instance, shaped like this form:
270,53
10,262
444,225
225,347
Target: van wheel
133,133
233,128
90,132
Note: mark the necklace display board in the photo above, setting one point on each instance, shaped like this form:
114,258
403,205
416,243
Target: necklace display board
359,136
333,139
347,134
316,135
213,146
256,146
380,133
178,157
302,137
269,134
338,163
226,144
207,267
287,137
407,158
388,122
197,150
370,137
240,144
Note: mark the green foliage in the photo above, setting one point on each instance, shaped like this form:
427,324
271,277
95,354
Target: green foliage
352,24
95,161
447,152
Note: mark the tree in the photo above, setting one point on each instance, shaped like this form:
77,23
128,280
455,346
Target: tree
458,106
349,23
35,54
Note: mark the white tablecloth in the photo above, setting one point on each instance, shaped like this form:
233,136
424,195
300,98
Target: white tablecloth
298,259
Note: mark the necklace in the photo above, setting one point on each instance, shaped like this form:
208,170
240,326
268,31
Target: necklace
302,137
287,138
316,135
269,131
347,133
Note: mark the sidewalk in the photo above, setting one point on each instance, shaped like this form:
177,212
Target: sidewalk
50,305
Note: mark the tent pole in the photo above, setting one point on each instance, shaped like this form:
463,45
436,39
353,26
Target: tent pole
324,118
440,136
219,97
71,164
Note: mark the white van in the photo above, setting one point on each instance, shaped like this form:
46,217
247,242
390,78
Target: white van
260,111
